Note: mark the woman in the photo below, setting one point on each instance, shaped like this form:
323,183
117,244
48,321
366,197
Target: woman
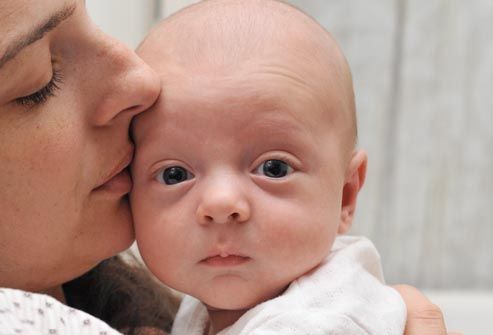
67,96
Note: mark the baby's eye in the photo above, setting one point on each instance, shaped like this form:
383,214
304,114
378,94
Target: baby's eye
174,175
274,168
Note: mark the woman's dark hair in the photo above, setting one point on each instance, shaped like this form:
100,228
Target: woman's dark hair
124,295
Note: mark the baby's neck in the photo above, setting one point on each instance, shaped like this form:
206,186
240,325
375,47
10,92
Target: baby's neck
220,319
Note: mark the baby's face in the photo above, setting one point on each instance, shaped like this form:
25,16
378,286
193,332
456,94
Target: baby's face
237,184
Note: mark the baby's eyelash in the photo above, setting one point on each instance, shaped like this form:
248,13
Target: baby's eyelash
282,157
43,94
279,156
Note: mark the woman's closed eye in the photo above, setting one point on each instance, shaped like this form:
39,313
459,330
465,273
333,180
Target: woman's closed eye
42,95
274,168
173,175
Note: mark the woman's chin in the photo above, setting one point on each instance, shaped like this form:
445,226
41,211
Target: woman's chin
120,241
121,232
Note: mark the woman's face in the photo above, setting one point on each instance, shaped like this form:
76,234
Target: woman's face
67,96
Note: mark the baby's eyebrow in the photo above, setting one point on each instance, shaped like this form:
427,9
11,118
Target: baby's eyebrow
279,124
36,34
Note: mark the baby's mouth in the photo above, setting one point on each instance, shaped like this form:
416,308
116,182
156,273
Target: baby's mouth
225,260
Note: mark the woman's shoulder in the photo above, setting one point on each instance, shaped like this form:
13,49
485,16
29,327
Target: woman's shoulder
23,312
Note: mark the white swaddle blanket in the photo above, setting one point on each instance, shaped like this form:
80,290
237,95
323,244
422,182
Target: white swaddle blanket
344,295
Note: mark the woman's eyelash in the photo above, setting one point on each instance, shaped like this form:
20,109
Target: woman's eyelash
43,94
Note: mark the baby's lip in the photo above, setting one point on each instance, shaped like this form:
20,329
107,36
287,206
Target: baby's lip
223,257
225,254
225,260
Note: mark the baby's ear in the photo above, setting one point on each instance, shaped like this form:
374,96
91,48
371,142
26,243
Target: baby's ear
354,180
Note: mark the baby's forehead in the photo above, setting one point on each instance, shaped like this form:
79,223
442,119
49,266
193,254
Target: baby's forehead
249,104
250,115
299,61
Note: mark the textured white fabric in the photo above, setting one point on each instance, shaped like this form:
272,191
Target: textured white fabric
25,313
344,295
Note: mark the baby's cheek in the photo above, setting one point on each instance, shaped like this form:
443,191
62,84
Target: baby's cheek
303,237
144,215
155,246
166,260
144,200
138,206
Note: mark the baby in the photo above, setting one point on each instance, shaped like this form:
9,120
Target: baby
246,171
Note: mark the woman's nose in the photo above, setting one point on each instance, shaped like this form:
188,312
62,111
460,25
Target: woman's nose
223,202
127,84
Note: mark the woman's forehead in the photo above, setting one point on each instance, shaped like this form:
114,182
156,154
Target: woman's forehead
20,15
24,22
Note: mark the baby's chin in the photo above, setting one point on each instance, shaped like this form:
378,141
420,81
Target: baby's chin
234,305
239,300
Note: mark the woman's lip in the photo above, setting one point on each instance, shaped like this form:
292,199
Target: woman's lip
225,260
119,178
119,184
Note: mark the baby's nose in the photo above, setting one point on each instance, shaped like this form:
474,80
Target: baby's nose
222,205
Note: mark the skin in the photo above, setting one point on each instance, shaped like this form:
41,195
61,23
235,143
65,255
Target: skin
423,317
57,220
221,120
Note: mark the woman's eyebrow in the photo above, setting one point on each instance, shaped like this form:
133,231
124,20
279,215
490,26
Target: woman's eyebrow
36,34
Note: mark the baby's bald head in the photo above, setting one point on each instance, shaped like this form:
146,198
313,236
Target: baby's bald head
227,38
